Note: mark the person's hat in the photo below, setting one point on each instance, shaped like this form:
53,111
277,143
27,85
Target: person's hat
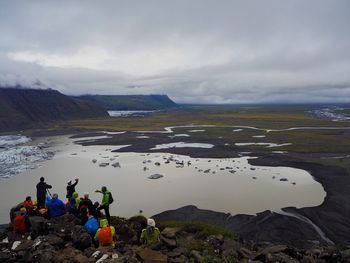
151,222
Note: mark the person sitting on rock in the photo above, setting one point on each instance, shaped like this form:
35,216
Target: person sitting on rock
91,226
85,202
72,207
29,206
21,223
41,189
105,234
77,198
151,234
14,210
71,188
106,201
56,206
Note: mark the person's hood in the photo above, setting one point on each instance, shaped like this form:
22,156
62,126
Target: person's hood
75,195
103,222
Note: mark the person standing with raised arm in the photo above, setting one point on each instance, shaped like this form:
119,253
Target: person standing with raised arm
71,188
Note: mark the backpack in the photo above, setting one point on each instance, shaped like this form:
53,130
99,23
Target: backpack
19,225
110,198
91,226
105,236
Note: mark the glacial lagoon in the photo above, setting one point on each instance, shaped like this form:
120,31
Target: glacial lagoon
229,185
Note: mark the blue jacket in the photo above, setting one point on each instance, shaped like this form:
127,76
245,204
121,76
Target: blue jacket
91,226
56,207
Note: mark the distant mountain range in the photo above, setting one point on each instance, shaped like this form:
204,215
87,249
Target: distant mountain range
24,108
130,102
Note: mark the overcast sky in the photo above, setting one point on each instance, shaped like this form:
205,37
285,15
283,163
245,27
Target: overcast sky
195,51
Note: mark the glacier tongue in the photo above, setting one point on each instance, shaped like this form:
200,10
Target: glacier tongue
16,156
12,140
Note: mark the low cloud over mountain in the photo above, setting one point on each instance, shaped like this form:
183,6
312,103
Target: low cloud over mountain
197,51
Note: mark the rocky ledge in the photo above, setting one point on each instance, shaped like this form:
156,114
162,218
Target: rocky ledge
63,239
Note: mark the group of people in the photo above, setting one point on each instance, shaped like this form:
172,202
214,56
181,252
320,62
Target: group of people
50,206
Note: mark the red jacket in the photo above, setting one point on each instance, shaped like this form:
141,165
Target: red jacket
28,205
19,224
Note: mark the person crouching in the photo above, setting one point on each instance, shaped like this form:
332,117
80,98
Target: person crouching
150,236
105,234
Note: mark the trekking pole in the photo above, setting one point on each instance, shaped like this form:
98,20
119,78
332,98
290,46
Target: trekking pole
49,192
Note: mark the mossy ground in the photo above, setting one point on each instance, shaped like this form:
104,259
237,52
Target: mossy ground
225,117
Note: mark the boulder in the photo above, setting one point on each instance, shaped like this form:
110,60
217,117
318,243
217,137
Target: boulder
45,253
229,243
81,239
39,226
280,257
171,243
196,255
245,253
170,232
308,259
89,252
273,249
73,255
346,255
55,241
24,245
150,256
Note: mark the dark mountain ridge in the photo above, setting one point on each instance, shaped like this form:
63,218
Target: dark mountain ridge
130,102
23,108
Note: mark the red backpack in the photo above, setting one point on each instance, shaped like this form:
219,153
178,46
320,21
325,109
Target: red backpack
19,225
105,236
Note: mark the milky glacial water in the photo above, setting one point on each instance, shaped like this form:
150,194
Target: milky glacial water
126,113
231,185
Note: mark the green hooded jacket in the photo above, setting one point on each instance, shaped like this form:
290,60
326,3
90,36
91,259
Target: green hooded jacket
103,223
148,238
77,199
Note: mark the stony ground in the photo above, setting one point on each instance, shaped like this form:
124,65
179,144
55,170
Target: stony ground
64,240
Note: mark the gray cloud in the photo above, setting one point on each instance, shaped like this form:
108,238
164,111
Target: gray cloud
195,51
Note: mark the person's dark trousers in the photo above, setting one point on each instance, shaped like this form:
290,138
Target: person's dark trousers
41,201
106,208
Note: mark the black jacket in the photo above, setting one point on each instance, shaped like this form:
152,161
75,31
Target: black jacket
86,203
41,188
71,189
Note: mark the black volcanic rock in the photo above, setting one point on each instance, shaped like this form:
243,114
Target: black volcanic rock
265,226
191,242
21,108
